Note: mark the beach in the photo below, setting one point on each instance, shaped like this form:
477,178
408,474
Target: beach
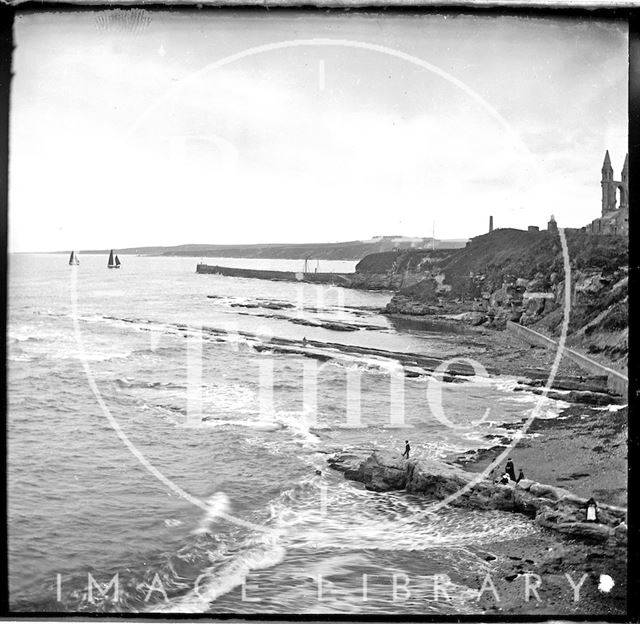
584,450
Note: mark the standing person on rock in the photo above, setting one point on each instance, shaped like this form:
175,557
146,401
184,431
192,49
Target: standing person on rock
510,469
407,448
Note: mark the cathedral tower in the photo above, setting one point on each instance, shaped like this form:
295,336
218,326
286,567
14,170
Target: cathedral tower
608,186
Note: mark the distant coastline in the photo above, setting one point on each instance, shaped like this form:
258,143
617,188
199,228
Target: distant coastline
346,250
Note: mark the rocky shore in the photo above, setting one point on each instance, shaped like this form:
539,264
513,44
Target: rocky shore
571,458
512,275
550,506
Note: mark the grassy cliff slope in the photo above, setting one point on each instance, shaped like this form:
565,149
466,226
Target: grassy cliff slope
516,275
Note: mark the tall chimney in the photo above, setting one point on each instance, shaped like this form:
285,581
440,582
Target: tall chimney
491,223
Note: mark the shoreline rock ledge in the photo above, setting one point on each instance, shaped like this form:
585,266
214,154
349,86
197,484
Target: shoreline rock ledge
551,507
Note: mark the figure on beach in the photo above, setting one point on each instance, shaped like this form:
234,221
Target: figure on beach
407,448
592,510
520,476
510,469
504,479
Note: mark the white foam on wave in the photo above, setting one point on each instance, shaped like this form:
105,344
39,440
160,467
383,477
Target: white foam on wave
19,358
172,522
236,398
503,383
20,336
257,424
539,401
70,351
553,412
610,408
368,364
131,382
33,332
298,424
92,355
354,519
258,554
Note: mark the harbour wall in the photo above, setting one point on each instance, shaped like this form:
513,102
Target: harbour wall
334,279
616,382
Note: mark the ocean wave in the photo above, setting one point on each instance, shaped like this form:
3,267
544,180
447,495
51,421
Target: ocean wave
354,519
232,565
611,408
258,425
219,580
172,522
295,423
32,332
365,364
130,382
19,357
504,383
18,337
68,352
91,355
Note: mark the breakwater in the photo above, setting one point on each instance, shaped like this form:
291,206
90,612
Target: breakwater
333,279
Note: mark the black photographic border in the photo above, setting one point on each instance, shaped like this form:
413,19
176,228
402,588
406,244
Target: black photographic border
631,15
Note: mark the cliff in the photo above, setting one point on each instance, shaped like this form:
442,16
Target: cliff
397,270
519,276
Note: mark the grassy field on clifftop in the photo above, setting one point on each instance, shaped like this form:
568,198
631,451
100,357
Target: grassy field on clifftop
508,254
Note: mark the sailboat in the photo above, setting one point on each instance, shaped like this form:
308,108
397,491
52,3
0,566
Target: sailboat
113,264
73,259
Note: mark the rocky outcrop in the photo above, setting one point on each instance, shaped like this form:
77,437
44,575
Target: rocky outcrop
474,318
551,507
390,280
406,304
511,275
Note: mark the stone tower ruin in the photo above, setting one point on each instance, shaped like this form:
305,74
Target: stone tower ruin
614,219
610,186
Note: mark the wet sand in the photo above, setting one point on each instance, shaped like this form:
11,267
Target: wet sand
585,451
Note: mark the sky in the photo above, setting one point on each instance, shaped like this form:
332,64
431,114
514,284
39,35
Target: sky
221,127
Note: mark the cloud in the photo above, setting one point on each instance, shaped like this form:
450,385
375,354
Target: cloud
115,133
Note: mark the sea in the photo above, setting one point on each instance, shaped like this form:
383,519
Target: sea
168,438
